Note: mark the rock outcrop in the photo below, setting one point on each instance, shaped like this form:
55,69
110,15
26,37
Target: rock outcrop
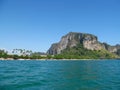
112,49
88,41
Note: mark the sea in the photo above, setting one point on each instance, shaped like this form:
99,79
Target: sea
60,75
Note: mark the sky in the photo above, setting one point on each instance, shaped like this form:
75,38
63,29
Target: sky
36,24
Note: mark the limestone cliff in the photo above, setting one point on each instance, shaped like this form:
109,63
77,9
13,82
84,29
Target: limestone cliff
112,49
88,41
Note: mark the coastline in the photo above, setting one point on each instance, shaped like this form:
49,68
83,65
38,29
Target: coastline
10,59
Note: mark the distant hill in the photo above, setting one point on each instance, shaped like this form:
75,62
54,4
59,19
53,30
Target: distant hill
83,46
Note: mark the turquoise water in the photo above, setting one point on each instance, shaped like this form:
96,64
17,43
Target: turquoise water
60,75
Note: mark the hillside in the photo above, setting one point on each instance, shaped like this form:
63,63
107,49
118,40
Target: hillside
82,45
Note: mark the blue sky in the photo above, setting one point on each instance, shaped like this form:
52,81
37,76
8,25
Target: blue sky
36,24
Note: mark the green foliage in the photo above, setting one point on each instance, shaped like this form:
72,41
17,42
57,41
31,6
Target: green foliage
4,55
118,52
79,52
15,57
49,56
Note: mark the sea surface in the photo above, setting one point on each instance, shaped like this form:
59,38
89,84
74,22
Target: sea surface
60,75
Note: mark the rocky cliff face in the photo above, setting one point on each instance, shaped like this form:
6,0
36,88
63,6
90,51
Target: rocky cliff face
88,41
112,49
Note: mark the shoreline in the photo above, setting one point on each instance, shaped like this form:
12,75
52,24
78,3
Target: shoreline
10,59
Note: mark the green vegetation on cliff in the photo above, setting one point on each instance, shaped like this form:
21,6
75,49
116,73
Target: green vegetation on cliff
79,52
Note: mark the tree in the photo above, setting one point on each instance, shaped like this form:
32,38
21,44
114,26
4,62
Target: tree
15,57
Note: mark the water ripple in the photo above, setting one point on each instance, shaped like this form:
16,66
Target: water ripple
60,75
